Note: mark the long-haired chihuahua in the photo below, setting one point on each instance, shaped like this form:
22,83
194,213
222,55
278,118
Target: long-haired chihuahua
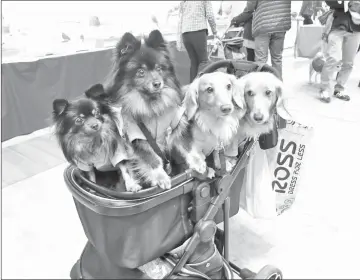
90,136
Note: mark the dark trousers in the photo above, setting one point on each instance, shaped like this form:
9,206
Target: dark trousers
307,20
250,54
196,46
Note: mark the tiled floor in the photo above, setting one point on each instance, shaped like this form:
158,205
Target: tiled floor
317,238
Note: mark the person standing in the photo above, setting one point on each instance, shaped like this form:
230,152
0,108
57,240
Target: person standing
245,19
271,21
310,9
306,12
193,32
342,46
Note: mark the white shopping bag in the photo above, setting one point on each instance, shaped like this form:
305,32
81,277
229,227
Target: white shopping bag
256,195
286,161
273,176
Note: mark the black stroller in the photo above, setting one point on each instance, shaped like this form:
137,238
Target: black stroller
230,46
128,230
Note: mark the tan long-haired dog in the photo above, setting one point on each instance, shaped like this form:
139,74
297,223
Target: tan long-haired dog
213,110
263,94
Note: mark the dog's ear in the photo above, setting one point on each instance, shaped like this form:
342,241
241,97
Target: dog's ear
127,45
190,99
96,92
59,107
280,103
156,41
238,91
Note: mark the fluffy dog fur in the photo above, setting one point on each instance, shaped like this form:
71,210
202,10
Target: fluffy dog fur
263,94
143,83
316,66
213,109
89,136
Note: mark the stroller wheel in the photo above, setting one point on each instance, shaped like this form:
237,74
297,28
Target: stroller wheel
269,272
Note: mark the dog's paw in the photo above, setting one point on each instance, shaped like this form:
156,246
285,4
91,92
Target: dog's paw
210,173
159,178
132,186
197,163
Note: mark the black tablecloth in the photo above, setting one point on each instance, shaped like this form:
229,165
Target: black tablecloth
29,88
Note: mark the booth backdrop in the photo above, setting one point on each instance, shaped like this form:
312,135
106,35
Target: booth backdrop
29,88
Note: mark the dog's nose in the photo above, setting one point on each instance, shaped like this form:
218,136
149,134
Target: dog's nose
226,109
258,117
95,126
157,84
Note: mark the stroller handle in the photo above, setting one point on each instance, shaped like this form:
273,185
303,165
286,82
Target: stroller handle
217,65
248,66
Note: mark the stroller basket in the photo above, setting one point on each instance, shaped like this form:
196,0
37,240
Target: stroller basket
126,231
140,230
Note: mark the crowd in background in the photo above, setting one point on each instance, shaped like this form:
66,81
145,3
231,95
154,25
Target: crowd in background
265,25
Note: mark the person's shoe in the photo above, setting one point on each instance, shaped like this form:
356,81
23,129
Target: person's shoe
341,96
325,96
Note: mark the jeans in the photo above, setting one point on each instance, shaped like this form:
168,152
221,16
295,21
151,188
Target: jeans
341,49
196,46
273,42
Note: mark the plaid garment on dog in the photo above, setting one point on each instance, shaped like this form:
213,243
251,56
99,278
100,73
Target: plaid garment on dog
159,127
104,164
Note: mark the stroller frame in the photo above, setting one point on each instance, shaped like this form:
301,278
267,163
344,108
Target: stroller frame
225,42
204,211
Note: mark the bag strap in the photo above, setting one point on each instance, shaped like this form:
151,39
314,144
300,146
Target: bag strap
222,161
152,141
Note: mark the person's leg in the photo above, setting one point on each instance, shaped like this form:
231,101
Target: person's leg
276,47
189,46
349,49
332,58
262,48
200,46
250,54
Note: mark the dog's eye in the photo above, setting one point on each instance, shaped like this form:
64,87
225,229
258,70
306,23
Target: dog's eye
228,87
268,92
250,93
140,72
158,68
79,121
209,89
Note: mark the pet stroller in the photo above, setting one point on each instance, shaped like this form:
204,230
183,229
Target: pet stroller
126,231
230,46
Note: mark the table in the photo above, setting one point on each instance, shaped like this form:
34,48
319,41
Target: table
29,88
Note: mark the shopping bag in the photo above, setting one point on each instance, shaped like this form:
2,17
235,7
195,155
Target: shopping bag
272,178
286,161
256,196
